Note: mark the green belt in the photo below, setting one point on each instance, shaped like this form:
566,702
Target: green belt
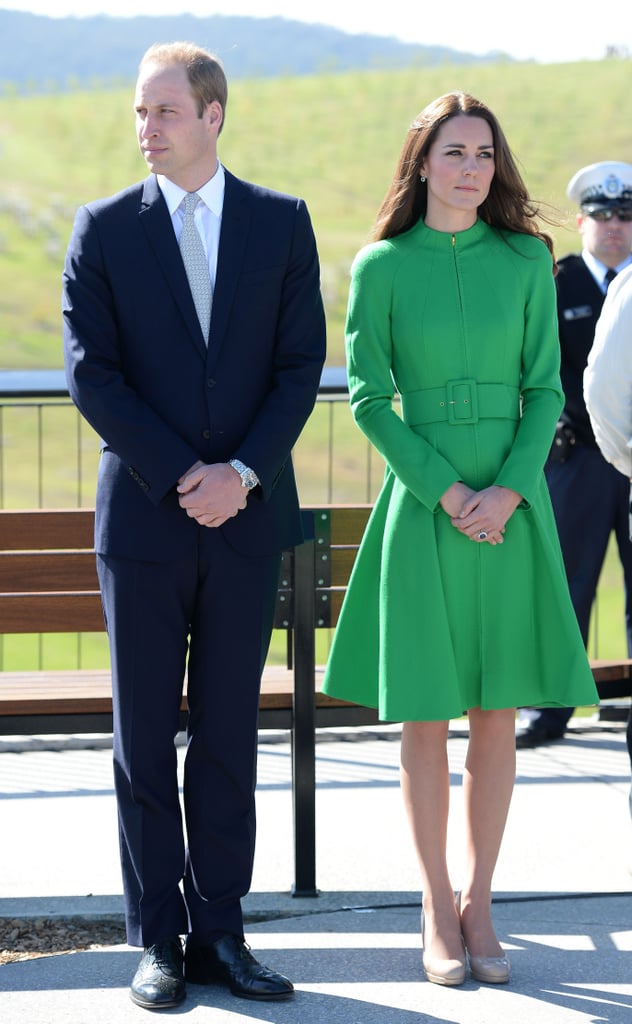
461,401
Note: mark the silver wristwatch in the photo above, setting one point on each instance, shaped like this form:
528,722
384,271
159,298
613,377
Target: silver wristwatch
249,478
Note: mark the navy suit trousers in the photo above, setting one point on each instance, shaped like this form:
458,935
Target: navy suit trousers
210,615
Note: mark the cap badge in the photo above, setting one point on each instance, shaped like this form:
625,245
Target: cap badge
613,186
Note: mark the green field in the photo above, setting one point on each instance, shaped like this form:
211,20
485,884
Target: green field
333,139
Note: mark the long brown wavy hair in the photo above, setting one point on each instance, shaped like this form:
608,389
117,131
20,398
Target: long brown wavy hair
507,206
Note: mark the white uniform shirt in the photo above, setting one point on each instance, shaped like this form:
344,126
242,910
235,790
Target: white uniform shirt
608,376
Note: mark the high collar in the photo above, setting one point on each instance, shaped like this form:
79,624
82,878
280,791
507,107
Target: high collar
446,239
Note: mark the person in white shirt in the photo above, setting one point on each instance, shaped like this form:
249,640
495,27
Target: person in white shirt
608,391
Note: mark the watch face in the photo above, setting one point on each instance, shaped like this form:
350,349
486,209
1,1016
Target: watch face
249,479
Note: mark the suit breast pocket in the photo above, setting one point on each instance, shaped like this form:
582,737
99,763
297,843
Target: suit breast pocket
258,277
258,299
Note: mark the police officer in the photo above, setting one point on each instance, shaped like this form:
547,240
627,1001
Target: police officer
590,497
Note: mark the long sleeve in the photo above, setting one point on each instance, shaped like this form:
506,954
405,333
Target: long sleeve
540,387
423,470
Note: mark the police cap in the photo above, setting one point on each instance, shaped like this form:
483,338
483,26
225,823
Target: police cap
598,186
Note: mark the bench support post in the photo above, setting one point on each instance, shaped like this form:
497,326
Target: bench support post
304,724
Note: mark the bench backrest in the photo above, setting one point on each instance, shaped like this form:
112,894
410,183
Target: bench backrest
48,579
338,531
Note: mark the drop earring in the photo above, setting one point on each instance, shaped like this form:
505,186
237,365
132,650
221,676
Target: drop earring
422,177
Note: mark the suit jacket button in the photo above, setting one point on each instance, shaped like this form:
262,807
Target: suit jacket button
210,383
206,434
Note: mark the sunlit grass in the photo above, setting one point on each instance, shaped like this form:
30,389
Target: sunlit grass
331,138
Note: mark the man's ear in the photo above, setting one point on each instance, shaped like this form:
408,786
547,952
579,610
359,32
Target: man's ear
215,115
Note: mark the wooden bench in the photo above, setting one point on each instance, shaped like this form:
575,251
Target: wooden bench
48,584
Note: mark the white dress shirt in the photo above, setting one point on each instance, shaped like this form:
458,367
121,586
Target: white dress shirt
608,375
599,269
208,213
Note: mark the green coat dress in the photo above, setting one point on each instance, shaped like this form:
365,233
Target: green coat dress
464,328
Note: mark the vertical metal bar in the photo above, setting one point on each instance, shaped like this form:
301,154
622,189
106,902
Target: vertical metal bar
40,457
330,464
304,724
79,462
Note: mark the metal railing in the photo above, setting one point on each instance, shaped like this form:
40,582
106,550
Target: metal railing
49,454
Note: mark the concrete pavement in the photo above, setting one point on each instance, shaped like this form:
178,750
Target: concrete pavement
562,891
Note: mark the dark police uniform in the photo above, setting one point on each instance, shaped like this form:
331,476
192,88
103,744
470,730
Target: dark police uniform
590,497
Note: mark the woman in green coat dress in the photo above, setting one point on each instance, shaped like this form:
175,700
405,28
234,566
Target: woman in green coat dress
458,601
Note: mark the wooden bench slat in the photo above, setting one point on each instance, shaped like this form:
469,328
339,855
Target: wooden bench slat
347,523
59,692
46,612
29,530
606,670
90,690
47,570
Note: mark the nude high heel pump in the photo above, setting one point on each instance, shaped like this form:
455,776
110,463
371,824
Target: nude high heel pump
438,971
493,970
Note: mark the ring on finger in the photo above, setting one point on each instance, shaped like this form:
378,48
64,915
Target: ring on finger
482,535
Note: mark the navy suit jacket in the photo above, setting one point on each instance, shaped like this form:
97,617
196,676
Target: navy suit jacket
140,372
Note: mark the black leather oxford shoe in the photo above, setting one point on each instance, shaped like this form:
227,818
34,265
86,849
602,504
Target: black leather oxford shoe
228,961
535,736
159,979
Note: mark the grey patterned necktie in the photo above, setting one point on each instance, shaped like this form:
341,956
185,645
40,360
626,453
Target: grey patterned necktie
196,264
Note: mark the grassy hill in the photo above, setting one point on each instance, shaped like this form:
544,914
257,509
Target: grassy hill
332,138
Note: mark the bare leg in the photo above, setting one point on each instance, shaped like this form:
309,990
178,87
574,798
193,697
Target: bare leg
425,783
488,781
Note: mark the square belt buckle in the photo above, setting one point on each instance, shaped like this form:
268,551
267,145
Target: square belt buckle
462,399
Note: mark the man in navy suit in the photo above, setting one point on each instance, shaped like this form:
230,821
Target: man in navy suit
196,499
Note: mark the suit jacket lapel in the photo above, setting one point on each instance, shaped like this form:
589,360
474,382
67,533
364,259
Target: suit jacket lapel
232,245
156,222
